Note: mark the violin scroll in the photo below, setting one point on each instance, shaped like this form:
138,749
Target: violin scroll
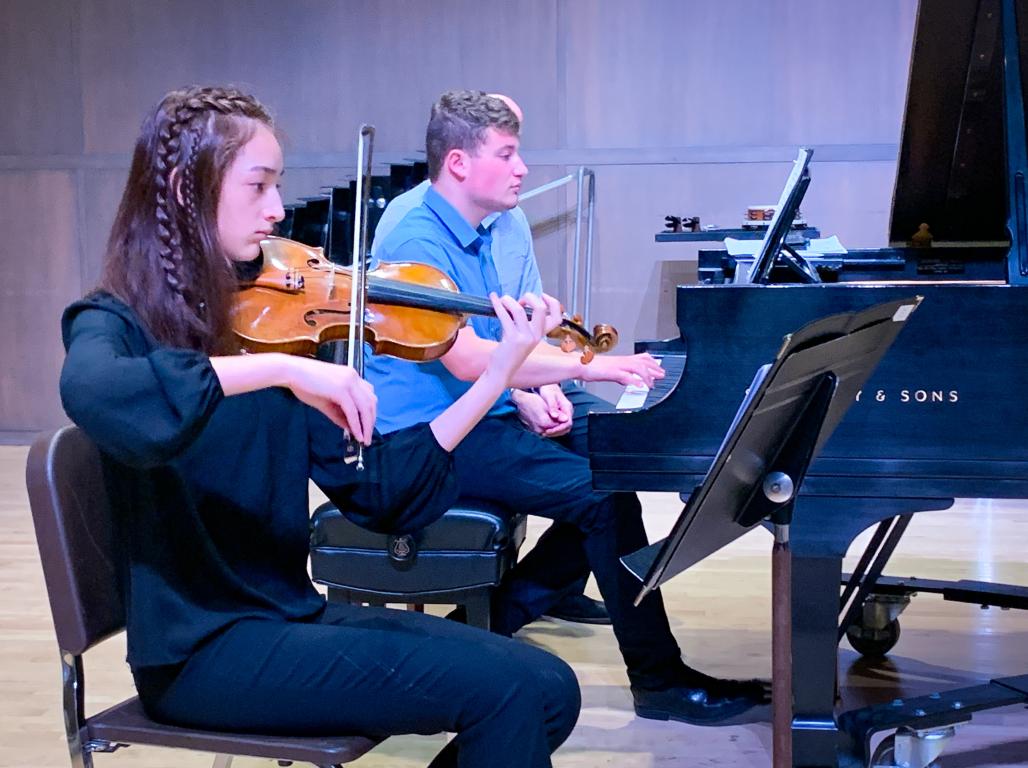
572,335
605,337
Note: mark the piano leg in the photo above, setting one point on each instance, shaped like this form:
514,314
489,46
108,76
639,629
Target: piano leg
823,527
815,627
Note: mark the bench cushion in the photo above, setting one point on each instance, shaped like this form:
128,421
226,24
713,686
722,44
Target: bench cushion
470,546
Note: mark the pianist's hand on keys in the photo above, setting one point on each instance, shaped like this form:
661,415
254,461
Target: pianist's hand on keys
641,369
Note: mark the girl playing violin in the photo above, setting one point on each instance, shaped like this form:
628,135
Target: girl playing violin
208,455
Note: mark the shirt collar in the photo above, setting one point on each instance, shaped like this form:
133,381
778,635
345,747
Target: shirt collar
459,227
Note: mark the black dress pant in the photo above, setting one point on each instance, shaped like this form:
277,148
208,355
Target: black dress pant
502,462
375,671
556,539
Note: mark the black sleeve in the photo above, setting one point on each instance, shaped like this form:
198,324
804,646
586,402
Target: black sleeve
407,482
143,409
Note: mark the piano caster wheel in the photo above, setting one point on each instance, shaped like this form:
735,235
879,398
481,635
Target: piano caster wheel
908,748
873,643
885,755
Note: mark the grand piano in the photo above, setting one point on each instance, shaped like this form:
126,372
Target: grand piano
945,415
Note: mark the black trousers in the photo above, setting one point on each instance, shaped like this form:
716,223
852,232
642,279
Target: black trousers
504,463
375,671
554,541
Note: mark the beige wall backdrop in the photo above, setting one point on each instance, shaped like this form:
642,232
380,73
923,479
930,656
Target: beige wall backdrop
680,106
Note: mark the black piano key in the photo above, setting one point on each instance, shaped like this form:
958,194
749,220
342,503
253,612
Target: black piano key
634,397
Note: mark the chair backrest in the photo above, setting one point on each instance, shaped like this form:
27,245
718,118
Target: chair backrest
75,533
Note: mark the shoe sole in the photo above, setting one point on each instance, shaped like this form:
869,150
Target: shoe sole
652,714
649,713
594,622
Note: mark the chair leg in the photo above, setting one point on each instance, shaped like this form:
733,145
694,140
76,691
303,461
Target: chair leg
71,677
222,761
337,595
477,605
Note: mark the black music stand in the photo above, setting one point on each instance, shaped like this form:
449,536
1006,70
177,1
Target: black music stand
773,248
788,414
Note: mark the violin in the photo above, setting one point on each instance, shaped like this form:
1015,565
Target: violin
300,299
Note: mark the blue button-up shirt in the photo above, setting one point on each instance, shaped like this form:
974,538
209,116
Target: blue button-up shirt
434,233
512,250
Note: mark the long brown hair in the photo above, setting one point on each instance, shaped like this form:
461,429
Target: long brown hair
163,255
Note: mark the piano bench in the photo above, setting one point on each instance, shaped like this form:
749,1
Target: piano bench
459,559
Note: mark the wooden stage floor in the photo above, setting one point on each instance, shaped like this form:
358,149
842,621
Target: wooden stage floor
720,612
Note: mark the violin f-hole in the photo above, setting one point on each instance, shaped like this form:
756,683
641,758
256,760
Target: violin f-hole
311,315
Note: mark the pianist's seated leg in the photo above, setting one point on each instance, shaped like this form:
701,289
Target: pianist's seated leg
504,462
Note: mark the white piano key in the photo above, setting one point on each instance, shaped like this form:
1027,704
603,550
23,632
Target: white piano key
634,396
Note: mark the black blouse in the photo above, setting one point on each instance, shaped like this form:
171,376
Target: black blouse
211,491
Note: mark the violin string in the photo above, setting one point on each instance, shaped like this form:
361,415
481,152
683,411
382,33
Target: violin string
385,290
428,297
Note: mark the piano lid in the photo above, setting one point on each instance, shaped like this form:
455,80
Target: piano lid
952,171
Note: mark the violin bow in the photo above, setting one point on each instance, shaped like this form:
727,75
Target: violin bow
359,282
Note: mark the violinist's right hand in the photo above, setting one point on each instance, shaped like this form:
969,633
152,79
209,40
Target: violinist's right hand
335,390
338,392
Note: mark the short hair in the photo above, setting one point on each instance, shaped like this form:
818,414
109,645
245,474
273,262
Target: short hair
459,120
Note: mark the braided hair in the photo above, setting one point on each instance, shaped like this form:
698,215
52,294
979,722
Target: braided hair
163,255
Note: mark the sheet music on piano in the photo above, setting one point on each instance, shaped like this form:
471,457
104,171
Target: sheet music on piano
636,396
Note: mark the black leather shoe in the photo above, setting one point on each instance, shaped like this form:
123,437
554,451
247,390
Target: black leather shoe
580,609
693,705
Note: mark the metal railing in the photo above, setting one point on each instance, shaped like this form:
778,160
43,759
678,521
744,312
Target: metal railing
581,284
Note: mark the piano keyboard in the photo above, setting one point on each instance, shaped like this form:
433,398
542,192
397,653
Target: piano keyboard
639,396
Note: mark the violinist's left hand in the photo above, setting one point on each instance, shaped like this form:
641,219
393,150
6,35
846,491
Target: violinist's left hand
554,312
520,337
520,334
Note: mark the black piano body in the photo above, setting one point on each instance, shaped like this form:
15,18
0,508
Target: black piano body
945,415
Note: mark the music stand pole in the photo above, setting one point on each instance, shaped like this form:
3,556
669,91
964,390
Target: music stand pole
781,649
